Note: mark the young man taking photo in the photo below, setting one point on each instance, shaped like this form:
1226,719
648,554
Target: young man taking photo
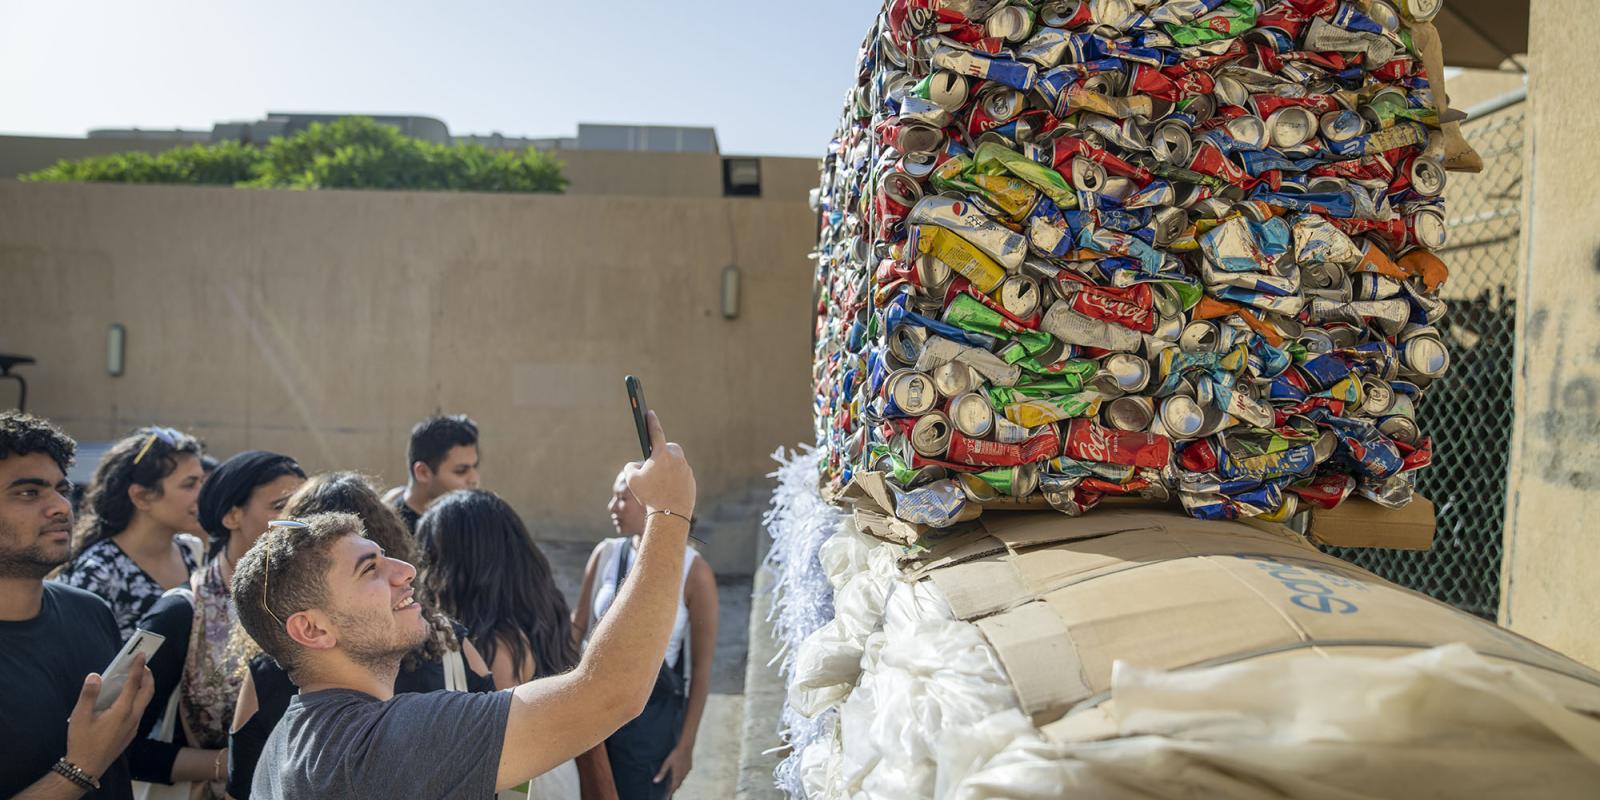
54,638
441,457
339,616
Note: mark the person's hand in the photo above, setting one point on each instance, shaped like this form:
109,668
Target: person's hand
663,481
95,740
675,768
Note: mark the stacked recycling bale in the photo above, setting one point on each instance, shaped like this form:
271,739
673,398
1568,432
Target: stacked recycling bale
1112,247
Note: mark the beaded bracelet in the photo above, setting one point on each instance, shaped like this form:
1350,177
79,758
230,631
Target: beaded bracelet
670,513
74,773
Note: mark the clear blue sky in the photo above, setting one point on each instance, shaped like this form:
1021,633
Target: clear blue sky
770,76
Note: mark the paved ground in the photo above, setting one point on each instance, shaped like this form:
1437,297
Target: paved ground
716,753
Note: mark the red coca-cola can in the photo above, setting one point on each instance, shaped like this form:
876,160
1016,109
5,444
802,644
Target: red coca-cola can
1086,441
1199,456
984,453
1266,104
1068,148
1371,168
1133,307
1209,160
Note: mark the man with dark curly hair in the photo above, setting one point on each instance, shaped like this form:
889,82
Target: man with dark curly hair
53,637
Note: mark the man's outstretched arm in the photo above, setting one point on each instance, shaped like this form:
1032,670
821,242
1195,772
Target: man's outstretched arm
556,718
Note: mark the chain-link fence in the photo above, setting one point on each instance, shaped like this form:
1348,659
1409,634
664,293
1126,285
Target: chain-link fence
1468,411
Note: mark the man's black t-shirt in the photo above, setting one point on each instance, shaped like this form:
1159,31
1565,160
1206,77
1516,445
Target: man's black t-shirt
42,665
407,515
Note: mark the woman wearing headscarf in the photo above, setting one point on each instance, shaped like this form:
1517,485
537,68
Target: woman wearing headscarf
183,738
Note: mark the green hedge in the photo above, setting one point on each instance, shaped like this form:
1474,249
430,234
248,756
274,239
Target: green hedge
351,153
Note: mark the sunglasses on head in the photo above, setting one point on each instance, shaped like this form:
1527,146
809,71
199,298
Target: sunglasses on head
167,435
266,567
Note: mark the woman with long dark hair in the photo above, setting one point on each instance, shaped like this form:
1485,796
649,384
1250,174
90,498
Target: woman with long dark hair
132,542
183,738
267,689
480,566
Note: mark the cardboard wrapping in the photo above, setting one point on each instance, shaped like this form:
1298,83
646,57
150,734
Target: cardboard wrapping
1062,599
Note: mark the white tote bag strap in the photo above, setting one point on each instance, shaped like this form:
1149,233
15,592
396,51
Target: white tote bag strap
455,671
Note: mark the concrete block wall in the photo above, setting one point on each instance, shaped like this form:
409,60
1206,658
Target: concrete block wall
324,324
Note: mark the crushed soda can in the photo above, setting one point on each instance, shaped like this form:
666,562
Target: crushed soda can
1177,249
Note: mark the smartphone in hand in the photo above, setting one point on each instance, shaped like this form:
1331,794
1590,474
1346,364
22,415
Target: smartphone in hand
112,680
640,410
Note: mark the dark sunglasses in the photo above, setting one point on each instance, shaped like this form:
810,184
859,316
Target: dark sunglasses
167,435
266,567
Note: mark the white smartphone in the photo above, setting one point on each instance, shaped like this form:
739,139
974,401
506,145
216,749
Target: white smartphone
116,675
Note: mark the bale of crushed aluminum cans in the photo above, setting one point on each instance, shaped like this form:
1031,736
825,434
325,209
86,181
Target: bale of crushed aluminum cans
1087,248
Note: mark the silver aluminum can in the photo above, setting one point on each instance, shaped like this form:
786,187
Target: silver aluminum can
1424,357
1200,336
1024,479
1057,13
916,137
930,436
1248,130
933,275
1230,91
1182,418
1325,446
1383,14
1420,10
1019,295
1373,286
1201,107
972,415
1088,176
906,342
1001,102
1129,372
1426,227
1342,334
949,90
1291,126
1169,222
1129,413
912,392
954,378
1011,23
1427,176
1399,428
1377,398
1170,142
1316,340
1342,125
900,187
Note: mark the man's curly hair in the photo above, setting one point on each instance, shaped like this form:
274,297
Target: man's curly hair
24,434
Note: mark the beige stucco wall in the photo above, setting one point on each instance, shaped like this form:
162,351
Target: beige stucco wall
1551,574
323,324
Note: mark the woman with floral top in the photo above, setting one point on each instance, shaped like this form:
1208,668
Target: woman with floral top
130,544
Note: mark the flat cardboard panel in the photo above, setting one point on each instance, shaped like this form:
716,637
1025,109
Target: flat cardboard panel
1192,593
1036,649
1358,522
